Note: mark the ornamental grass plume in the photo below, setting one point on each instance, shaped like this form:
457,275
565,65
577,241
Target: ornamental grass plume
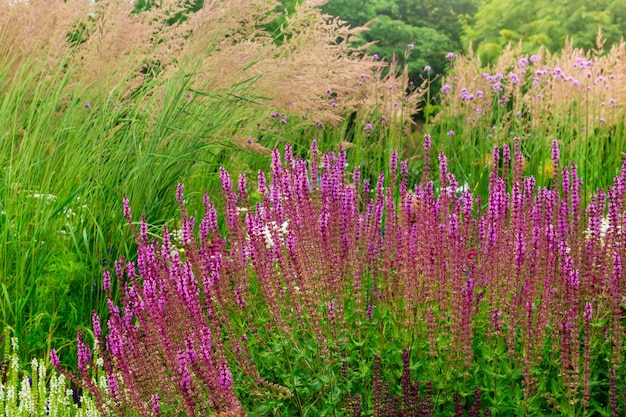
318,270
245,46
550,87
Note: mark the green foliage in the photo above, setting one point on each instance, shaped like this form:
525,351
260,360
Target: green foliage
433,27
540,23
68,158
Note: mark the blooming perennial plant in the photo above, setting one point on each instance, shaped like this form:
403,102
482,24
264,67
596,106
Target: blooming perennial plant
517,300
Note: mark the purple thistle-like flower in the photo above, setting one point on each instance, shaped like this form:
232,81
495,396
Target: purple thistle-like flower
446,88
427,68
451,133
283,121
410,46
368,127
450,56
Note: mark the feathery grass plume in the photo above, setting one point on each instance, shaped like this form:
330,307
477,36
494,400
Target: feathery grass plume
501,294
109,45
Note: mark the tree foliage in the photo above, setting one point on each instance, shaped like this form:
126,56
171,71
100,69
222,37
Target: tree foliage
433,27
541,23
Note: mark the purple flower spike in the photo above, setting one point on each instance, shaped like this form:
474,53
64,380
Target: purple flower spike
226,378
54,358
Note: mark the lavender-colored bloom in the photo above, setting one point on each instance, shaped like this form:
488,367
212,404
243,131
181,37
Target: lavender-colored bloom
602,120
331,310
97,330
533,59
333,104
497,87
427,68
479,111
127,213
446,88
226,378
613,102
410,46
54,358
376,57
368,127
283,121
522,62
451,133
156,408
588,314
106,280
450,56
87,105
479,93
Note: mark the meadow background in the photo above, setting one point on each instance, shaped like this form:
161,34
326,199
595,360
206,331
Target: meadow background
394,207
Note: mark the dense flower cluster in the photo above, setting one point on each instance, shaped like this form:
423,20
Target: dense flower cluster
320,246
